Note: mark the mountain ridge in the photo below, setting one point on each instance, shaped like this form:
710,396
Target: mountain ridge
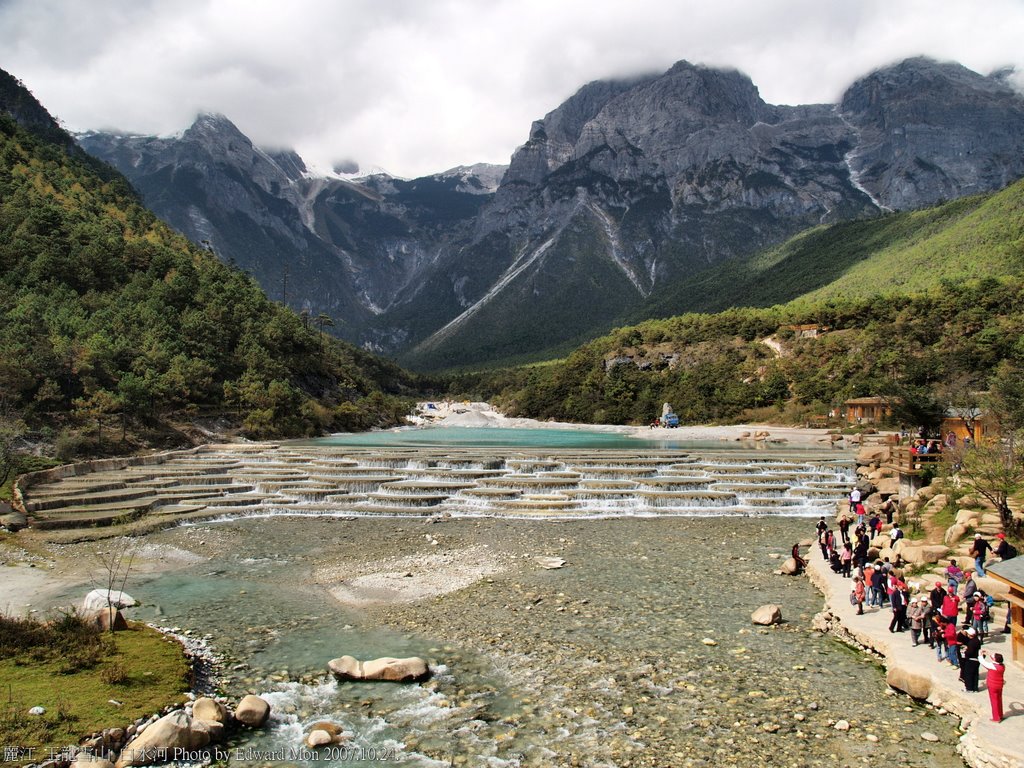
648,180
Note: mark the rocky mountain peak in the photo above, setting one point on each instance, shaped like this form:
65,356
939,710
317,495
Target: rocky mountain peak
616,199
929,131
922,79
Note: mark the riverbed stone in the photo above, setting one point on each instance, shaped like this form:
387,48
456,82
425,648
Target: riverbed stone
209,710
387,668
325,733
767,615
252,711
917,685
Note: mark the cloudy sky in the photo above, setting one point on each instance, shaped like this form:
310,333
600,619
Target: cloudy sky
417,86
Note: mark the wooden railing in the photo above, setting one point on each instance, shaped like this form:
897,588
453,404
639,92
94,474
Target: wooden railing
906,463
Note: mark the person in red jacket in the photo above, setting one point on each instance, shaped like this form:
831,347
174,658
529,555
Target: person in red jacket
994,682
950,605
952,642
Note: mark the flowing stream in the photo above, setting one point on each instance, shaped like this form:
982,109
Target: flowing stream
639,652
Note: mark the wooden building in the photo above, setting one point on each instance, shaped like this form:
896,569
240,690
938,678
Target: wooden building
864,410
1011,573
960,423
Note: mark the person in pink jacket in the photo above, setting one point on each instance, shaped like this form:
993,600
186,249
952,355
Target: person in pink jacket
994,682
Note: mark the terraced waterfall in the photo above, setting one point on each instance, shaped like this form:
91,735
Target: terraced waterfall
264,479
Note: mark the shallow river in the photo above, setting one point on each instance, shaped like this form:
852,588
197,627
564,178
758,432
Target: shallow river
639,652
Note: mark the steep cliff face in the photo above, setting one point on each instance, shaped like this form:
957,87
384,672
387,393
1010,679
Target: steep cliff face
322,244
658,177
616,199
929,131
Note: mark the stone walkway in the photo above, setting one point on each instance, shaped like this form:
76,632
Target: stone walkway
985,744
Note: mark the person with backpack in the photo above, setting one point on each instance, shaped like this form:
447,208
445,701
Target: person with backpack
977,612
895,534
1004,550
878,595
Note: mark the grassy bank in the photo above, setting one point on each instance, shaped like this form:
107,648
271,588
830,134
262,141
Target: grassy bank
76,673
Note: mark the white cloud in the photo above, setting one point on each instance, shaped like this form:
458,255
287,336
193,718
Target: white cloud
416,86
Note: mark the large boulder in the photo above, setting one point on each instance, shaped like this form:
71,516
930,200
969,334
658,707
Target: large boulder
106,619
408,670
968,518
103,598
210,710
767,615
872,454
171,732
997,589
954,533
789,568
917,554
252,711
912,683
888,486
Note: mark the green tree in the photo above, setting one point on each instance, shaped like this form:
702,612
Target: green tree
11,430
995,470
321,321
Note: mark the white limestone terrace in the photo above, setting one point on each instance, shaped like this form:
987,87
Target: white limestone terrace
241,480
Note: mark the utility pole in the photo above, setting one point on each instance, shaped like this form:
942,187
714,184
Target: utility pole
284,287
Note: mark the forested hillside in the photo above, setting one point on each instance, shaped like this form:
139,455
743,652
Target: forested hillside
929,348
898,252
111,319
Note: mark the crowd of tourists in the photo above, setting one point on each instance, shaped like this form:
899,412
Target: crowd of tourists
952,618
